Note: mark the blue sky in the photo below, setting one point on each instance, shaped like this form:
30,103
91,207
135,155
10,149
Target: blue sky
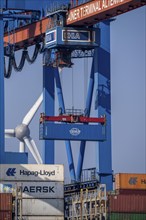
128,77
128,81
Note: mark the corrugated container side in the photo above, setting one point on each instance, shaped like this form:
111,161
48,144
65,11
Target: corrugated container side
42,218
5,215
43,207
32,172
126,216
130,181
38,189
131,191
5,201
127,192
127,203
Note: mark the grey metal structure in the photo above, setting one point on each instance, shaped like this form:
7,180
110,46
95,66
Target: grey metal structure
87,204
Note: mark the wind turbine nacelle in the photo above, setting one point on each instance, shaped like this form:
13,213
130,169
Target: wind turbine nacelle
21,131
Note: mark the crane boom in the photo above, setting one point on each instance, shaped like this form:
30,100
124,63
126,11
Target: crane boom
85,14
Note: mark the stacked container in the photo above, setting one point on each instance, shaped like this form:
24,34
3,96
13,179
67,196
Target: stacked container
130,181
5,206
39,191
128,201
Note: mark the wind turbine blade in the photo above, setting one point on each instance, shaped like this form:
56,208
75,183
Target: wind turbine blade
36,151
29,116
22,147
30,147
9,133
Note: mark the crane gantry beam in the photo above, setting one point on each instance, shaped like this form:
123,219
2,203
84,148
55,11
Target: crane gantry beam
85,14
98,10
27,35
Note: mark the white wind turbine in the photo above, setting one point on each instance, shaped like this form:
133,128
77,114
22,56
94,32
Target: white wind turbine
22,132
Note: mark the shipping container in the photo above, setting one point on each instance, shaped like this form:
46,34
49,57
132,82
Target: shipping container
31,172
5,202
127,203
43,207
37,189
126,216
5,215
131,191
127,192
130,181
41,218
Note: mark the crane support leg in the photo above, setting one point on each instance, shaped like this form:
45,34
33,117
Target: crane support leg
87,112
5,157
48,105
62,109
15,158
1,85
103,104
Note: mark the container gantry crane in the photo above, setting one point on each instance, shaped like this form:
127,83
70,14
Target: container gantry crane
74,20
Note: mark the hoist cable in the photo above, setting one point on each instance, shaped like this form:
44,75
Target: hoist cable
85,78
72,89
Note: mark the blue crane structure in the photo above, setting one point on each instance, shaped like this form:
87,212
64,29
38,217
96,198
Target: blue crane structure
61,37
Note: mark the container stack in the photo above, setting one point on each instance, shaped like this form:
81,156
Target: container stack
128,201
5,206
39,192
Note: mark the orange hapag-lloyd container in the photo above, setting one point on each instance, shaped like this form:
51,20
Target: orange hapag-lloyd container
130,181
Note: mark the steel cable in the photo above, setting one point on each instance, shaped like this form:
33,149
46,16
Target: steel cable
25,56
35,54
8,72
22,62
